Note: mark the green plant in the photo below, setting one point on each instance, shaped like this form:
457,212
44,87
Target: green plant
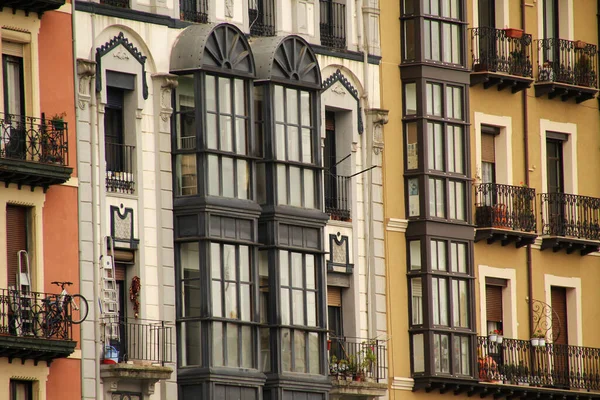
538,334
59,116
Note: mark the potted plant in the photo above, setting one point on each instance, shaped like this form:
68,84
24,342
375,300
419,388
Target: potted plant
333,367
492,336
58,122
499,218
583,71
538,339
513,33
499,337
579,44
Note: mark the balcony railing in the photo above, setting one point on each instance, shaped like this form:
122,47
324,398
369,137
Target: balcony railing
139,340
33,139
120,175
333,24
357,359
495,51
551,365
194,10
262,17
571,215
116,3
567,61
337,197
505,206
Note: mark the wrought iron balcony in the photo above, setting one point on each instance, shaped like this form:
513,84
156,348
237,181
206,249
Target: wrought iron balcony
502,57
563,64
337,197
506,213
116,3
519,362
120,177
37,6
194,10
333,24
33,151
571,222
31,329
357,366
261,14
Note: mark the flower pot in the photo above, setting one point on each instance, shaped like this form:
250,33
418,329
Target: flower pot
513,33
580,44
542,342
535,342
58,124
499,339
492,338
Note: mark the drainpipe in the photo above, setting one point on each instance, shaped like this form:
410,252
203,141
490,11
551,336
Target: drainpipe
526,160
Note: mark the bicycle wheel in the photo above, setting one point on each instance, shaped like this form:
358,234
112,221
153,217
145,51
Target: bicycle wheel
79,308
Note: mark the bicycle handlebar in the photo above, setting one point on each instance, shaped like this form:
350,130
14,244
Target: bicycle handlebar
61,284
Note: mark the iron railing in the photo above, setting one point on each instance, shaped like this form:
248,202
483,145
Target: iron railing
496,51
567,61
337,197
570,215
357,358
194,10
262,17
550,365
33,314
120,175
505,206
139,340
116,3
333,24
33,139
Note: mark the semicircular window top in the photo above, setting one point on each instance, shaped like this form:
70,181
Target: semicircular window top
213,149
287,60
221,48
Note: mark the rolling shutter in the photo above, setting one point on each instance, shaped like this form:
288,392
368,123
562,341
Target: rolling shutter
559,316
493,302
330,121
334,296
16,240
119,272
488,152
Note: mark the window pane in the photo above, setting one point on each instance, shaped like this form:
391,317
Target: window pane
261,184
240,97
284,268
265,350
187,179
279,104
441,354
438,255
245,303
293,145
281,184
229,262
224,95
189,254
231,300
311,309
244,263
435,144
454,142
247,346
298,307
461,355
427,39
213,175
460,304
292,106
299,351
435,41
418,353
440,305
456,43
295,187
211,101
216,295
459,257
191,343
242,179
415,254
217,345
227,176
414,205
409,39
305,108
240,136
280,141
437,202
412,147
417,301
446,43
226,134
232,345
191,298
313,353
410,98
211,131
309,188
285,306
297,271
306,145
286,349
310,271
215,260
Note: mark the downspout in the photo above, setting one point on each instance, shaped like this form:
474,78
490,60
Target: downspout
526,160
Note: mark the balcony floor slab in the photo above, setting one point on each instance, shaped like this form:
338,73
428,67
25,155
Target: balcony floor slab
502,81
565,91
505,236
342,389
569,244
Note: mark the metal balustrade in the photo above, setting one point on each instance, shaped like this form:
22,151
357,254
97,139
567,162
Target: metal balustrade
261,14
337,197
494,50
505,206
567,61
333,24
570,215
194,10
354,357
120,176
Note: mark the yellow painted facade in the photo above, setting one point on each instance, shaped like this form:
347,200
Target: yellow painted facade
581,157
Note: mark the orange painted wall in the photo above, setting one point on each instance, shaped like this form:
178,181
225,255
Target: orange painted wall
60,219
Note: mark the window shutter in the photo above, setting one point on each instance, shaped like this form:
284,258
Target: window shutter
493,302
558,297
12,49
488,151
119,272
334,296
330,121
16,240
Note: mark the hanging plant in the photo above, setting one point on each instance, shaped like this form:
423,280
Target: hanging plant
134,294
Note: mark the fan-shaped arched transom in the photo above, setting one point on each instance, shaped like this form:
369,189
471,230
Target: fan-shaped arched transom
295,61
226,48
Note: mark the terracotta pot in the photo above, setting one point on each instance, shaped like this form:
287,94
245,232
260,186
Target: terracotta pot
513,33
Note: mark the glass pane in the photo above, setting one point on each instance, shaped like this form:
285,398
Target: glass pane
217,345
311,308
460,201
409,39
417,301
211,101
280,141
229,263
292,106
245,302
447,43
443,301
459,161
191,343
306,146
410,98
458,102
310,271
247,345
415,254
414,207
313,353
286,350
213,175
454,10
435,41
438,255
284,268
298,307
240,97
427,40
281,185
451,199
441,353
445,8
215,260
189,254
435,291
279,104
240,136
309,188
242,179
232,345
224,95
244,263
295,187
418,353
265,350
211,131
299,351
412,147
293,145
226,133
216,295
305,108
261,184
231,300
187,179
460,304
191,298
285,306
297,270
456,43
437,100
227,176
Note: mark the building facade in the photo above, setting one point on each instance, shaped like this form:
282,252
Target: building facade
39,346
233,155
493,241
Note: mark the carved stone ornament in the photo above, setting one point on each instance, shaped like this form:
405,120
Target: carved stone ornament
86,69
338,89
377,118
229,8
168,82
342,82
121,54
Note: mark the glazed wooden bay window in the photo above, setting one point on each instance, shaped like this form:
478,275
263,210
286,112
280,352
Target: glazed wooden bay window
441,308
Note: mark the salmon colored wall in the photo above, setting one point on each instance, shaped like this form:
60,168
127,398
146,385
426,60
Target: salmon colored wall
64,380
57,87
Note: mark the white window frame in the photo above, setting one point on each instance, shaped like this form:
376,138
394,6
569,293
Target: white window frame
566,25
502,146
509,299
574,315
502,14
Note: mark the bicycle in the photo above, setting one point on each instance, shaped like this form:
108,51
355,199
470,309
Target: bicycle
60,309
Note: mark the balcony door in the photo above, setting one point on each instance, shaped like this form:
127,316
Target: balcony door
487,34
555,174
550,25
329,162
14,105
113,129
560,360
